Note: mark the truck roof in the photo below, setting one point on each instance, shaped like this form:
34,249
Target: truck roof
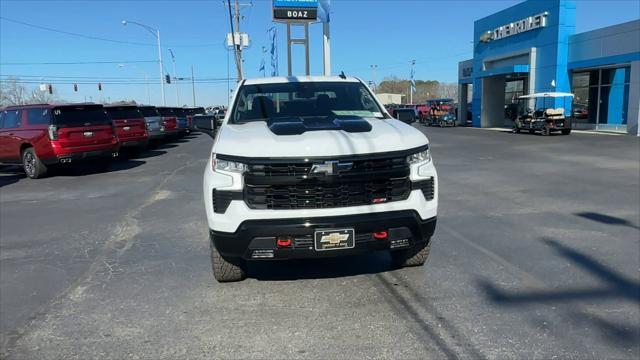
288,79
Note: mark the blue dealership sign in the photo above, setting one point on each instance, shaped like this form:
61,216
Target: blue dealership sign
295,10
295,4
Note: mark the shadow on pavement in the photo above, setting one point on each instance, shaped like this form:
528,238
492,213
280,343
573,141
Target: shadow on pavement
425,317
10,175
165,146
82,169
615,286
144,154
320,268
606,219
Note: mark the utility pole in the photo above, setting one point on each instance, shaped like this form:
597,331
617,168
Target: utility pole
238,46
175,76
235,45
193,87
235,30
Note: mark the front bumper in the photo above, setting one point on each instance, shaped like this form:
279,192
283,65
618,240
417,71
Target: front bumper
405,229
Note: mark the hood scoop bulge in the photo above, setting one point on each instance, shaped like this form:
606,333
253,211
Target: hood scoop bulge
297,126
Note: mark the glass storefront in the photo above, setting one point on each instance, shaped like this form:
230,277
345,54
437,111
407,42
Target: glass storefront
601,98
513,89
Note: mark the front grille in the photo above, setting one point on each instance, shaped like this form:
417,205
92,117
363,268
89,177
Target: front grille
292,185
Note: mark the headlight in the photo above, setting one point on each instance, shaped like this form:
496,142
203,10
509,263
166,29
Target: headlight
226,165
422,156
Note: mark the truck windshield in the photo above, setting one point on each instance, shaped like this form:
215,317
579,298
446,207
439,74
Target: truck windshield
70,116
318,100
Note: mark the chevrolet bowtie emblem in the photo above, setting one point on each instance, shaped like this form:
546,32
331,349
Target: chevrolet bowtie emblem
331,167
334,238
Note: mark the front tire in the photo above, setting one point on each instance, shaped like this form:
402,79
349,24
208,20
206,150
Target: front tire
412,257
223,270
33,167
566,131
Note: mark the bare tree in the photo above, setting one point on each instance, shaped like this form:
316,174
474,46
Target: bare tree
448,90
12,92
42,97
425,89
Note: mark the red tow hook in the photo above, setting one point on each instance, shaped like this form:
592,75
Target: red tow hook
380,235
284,241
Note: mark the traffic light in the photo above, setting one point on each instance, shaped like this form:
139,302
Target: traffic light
99,86
50,88
75,87
167,79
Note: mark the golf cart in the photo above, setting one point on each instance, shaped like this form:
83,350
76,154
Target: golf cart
546,118
442,113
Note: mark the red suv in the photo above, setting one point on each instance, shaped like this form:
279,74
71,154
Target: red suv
131,128
44,134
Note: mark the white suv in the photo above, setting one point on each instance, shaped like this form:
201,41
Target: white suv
308,167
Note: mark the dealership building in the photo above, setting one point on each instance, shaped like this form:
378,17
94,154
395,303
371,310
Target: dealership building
533,47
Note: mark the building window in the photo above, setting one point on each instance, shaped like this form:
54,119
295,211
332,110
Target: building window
513,89
601,97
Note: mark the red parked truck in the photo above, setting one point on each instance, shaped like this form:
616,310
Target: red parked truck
131,128
169,120
42,135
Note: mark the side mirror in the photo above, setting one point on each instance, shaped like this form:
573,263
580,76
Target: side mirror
206,124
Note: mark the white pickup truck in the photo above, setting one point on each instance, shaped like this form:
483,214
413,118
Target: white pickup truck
308,167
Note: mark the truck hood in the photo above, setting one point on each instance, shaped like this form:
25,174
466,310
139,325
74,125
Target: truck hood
256,140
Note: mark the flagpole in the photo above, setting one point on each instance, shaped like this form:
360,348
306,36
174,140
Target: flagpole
413,82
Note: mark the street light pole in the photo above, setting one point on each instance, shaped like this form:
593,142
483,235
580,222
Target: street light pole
373,71
156,33
193,87
175,76
413,63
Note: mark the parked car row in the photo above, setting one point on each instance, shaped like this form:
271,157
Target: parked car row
42,135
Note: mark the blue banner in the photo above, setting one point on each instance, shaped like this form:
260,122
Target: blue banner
295,3
323,10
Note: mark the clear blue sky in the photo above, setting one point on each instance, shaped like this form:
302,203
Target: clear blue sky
386,33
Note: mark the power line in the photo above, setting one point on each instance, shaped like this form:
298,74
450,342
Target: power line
77,62
108,82
73,34
91,37
18,77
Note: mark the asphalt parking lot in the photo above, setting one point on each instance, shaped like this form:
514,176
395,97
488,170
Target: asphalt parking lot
536,255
